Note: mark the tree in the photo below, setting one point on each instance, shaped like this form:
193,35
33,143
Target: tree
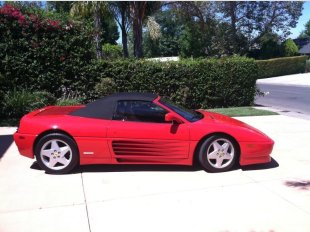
217,34
276,17
192,42
270,46
305,33
121,13
237,15
96,9
167,44
110,33
139,10
255,19
199,11
289,48
59,6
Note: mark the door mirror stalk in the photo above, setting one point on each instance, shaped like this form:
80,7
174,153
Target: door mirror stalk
169,117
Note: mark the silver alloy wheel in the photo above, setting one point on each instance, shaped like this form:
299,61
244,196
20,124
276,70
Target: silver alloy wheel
56,154
220,153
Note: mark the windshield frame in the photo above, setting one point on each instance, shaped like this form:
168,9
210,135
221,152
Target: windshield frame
189,115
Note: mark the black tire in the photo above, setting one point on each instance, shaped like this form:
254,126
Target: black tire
207,151
48,156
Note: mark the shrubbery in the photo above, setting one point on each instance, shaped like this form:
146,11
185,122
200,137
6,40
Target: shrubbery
17,103
68,101
281,66
289,48
307,66
37,53
112,51
194,83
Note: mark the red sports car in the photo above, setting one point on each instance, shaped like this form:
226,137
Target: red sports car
137,128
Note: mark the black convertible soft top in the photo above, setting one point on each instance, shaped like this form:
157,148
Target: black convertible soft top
104,108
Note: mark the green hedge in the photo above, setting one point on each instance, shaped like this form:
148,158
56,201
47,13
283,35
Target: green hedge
307,66
281,66
40,54
194,83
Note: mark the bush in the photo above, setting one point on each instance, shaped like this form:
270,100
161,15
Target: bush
270,49
112,51
68,101
281,66
105,87
193,83
41,54
17,103
307,66
289,48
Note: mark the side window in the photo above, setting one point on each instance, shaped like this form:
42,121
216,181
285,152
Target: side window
139,111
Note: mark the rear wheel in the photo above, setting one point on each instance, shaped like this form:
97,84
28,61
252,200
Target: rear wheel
56,153
218,153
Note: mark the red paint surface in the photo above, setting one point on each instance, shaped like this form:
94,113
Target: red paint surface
114,142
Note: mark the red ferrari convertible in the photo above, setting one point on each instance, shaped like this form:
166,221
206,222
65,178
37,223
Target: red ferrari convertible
137,128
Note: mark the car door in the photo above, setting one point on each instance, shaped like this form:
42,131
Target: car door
139,133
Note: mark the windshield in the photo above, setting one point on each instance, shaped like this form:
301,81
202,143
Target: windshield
189,115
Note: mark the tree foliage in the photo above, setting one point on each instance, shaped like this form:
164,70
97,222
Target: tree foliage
226,28
289,48
306,32
121,13
270,46
255,19
59,6
97,11
168,43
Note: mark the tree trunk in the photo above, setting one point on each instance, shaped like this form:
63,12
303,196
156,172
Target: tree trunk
124,34
97,27
137,33
138,11
232,12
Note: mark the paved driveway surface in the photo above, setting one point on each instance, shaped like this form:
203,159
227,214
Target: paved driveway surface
274,197
288,94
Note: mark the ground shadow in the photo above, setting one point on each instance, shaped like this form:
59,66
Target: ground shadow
127,168
35,166
155,168
138,168
5,143
302,184
272,164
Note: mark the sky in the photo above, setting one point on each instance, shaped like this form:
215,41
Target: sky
304,18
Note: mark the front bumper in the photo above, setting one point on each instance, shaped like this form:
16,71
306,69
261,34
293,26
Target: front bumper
25,144
255,152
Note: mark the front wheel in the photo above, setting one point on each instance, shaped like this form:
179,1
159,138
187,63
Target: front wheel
56,153
218,153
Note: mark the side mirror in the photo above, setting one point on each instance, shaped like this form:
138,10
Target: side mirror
169,117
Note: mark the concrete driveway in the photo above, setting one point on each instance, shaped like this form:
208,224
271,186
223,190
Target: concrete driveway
273,197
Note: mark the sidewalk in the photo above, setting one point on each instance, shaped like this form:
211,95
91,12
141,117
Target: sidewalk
273,197
302,79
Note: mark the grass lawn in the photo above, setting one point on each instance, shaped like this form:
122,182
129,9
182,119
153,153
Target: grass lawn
242,111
